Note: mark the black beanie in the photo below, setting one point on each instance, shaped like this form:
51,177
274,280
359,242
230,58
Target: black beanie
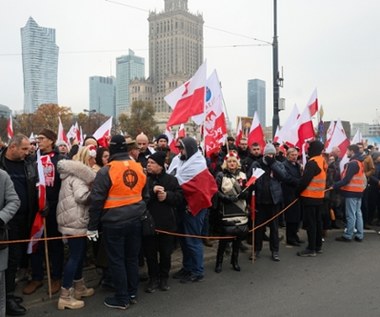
163,136
159,157
49,134
117,144
315,148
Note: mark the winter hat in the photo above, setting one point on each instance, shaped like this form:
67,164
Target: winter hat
315,148
132,145
49,134
163,136
159,157
117,144
269,149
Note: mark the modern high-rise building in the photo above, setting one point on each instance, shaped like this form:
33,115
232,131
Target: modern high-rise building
175,49
128,67
40,65
256,99
103,95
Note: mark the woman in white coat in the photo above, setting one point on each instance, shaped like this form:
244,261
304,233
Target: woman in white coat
72,216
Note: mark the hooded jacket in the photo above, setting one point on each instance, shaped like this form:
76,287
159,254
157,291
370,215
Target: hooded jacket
73,205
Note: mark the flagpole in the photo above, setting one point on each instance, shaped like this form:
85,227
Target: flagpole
47,259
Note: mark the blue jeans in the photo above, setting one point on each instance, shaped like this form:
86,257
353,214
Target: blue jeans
354,218
74,266
192,248
123,246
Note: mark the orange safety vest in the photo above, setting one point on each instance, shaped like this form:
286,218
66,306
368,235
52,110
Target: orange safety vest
317,186
358,182
128,180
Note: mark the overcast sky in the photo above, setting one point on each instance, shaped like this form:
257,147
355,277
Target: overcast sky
331,45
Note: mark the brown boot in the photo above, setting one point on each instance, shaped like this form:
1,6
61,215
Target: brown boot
31,287
80,289
67,300
55,286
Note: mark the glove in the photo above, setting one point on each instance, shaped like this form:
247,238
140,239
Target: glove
233,199
92,235
269,160
45,211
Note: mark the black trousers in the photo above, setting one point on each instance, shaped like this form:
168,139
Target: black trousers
158,250
17,230
312,220
291,231
263,213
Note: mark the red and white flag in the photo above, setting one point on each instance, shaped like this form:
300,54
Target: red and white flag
305,128
38,223
329,133
276,135
61,135
171,140
289,131
239,133
214,128
103,133
10,127
197,183
188,99
181,132
313,103
74,133
339,139
256,133
357,137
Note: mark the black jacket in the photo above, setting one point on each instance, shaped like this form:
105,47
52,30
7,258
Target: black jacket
165,213
289,190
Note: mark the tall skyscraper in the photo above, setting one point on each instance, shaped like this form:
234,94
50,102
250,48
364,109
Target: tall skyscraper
128,67
256,99
40,65
175,49
103,95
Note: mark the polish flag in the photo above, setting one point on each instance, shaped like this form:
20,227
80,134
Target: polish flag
61,135
215,129
339,139
171,140
181,133
103,134
189,99
197,183
288,133
256,133
313,103
329,133
305,128
38,223
10,127
357,137
276,135
239,133
74,133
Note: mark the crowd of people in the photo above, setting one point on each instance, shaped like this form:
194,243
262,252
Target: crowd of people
103,194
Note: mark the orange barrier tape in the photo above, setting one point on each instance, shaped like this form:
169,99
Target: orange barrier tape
164,232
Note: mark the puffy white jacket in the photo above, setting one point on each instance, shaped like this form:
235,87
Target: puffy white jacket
73,205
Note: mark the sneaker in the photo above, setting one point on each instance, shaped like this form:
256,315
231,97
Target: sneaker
191,278
342,239
164,284
133,299
31,287
357,239
112,302
152,285
180,274
307,253
275,257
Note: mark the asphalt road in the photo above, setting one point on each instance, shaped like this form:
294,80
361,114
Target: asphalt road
343,281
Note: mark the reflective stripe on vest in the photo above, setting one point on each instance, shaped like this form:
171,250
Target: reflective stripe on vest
317,186
358,182
128,180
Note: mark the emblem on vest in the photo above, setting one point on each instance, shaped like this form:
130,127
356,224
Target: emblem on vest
130,178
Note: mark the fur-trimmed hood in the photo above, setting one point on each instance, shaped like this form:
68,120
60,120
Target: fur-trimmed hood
77,169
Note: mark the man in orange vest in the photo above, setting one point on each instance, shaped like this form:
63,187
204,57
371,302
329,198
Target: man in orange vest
118,199
312,191
352,186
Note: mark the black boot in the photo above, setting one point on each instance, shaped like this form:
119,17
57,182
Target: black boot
13,308
234,261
